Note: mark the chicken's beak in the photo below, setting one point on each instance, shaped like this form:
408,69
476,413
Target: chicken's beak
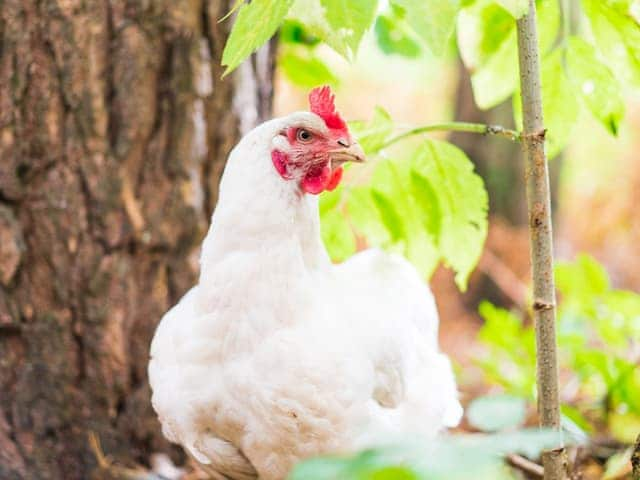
346,153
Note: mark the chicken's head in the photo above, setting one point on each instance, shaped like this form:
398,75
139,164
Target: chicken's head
312,146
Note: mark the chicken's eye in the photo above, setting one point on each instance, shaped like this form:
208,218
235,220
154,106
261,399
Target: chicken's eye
304,136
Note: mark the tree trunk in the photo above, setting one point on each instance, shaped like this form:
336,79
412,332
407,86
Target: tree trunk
114,129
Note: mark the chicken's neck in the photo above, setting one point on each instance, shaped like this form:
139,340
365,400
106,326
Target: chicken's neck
273,226
284,226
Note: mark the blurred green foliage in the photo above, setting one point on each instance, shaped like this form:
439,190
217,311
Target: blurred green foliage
607,41
255,24
577,69
493,413
394,36
449,458
433,21
298,59
598,336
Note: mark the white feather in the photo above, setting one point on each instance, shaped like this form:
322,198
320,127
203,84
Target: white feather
278,355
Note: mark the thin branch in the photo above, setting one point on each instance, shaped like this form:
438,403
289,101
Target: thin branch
480,128
539,208
526,465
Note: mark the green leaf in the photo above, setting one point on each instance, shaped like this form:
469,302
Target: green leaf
438,180
392,37
255,24
582,279
394,473
349,19
595,83
548,24
560,105
624,427
495,81
462,200
373,134
622,313
330,200
389,215
430,207
482,29
510,359
623,6
426,197
306,71
517,8
492,413
364,217
528,442
294,32
501,326
337,236
449,457
312,14
572,418
381,464
488,47
618,37
392,179
433,20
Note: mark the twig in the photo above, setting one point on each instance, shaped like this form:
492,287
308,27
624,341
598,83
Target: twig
539,207
94,443
480,128
525,465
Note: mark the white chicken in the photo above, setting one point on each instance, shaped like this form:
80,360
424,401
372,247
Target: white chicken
276,354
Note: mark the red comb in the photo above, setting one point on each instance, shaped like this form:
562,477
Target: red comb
321,103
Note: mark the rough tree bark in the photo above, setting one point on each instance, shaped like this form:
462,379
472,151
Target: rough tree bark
114,128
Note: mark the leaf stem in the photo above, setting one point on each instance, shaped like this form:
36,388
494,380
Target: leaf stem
539,207
480,128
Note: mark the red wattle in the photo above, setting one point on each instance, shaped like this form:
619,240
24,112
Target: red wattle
316,182
336,176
